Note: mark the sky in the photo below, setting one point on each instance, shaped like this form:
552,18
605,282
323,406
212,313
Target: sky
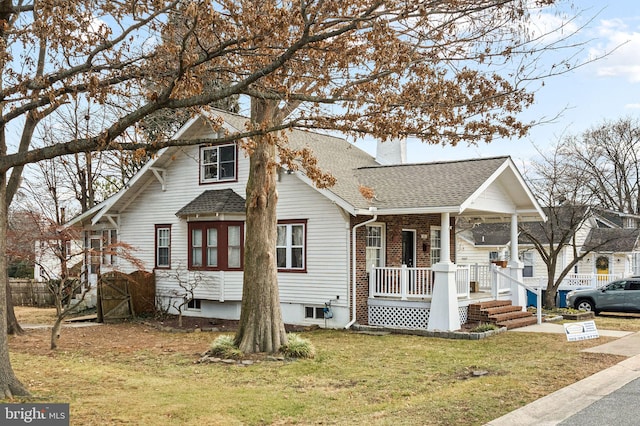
604,90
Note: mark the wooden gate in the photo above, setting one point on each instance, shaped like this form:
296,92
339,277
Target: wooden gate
122,296
114,298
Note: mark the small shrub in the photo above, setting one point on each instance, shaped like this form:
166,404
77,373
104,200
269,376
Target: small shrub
297,347
485,327
224,347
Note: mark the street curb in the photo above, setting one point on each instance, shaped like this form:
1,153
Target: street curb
565,402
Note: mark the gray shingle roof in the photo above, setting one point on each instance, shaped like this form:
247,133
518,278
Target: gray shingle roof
214,201
426,185
406,186
612,240
491,234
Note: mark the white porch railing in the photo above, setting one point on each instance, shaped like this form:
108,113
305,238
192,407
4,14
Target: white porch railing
573,281
502,284
408,282
481,274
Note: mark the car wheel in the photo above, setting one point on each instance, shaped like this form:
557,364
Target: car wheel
585,305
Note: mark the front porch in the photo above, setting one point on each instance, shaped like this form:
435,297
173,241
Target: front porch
401,297
410,283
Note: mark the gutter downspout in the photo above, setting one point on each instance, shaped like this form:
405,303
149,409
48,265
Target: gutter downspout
353,264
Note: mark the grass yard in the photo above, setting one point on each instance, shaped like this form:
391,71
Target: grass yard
135,374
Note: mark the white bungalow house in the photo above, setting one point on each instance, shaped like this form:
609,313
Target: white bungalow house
342,258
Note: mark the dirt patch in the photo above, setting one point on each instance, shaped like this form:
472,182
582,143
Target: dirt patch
172,322
157,335
110,339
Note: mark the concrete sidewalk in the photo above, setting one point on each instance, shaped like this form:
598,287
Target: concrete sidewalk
590,400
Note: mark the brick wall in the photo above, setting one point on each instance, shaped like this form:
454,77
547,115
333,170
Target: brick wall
393,237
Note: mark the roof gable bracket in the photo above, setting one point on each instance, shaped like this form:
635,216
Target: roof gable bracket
161,175
113,219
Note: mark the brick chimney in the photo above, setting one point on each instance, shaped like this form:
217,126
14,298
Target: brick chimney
392,152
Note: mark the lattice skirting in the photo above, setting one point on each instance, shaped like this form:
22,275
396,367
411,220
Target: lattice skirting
406,316
464,314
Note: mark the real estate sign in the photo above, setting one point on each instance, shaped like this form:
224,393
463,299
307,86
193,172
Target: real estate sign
576,331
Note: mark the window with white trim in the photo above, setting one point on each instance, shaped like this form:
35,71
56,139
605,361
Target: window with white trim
436,244
290,246
313,312
163,246
527,261
218,163
375,246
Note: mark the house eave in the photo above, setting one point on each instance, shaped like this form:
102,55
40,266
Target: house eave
535,208
409,211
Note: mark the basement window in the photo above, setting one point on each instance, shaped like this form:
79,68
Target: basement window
194,304
313,312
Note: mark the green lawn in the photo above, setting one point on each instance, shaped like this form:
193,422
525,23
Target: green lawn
354,379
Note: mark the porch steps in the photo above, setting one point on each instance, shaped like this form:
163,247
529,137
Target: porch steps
501,313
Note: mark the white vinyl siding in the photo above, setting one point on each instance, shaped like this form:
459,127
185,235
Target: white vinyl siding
327,246
153,205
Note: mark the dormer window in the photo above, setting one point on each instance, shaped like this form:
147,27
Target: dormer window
218,163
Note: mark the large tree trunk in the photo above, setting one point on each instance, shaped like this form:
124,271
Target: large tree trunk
9,384
550,298
261,328
549,301
13,327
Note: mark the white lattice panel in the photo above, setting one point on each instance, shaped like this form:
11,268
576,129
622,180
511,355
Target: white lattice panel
463,311
399,316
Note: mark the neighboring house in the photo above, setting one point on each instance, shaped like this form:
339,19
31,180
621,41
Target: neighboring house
184,215
47,261
616,251
613,237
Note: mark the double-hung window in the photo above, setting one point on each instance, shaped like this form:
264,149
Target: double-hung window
234,246
291,246
218,163
163,246
375,246
436,244
527,261
216,245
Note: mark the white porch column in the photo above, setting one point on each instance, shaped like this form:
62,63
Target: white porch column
518,293
444,313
